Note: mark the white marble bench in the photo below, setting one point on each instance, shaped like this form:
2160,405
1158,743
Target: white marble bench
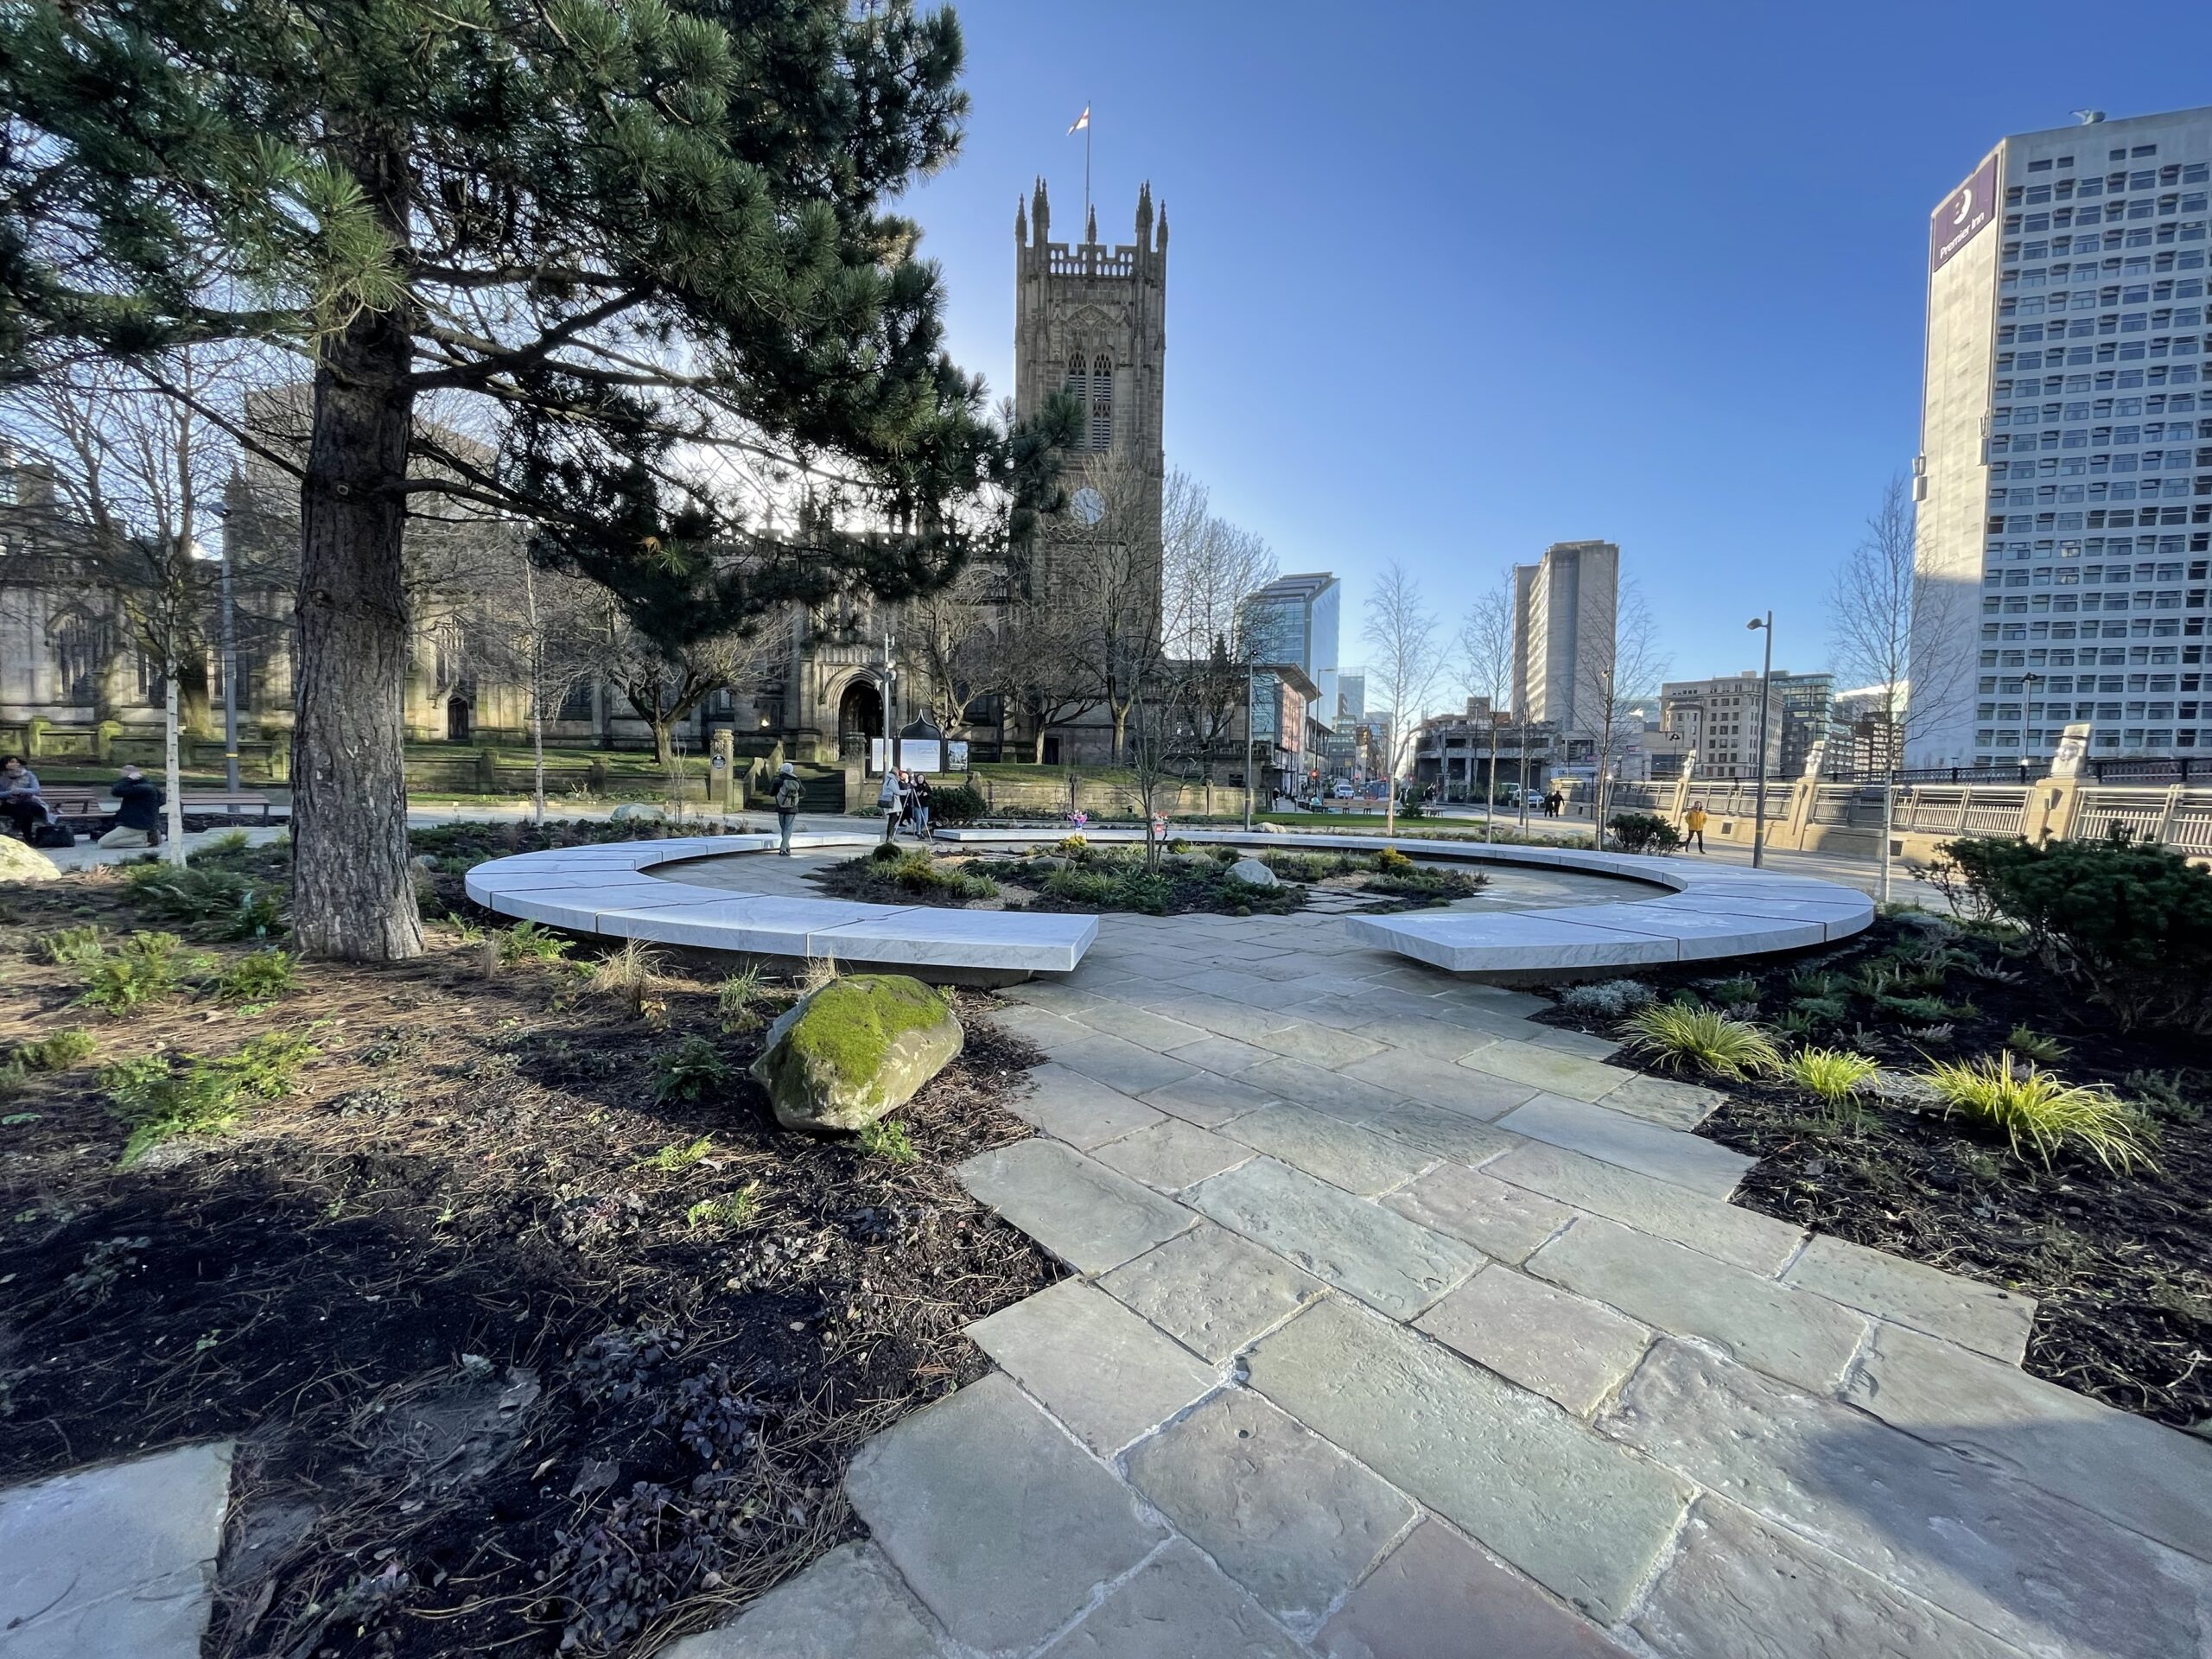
604,889
1697,912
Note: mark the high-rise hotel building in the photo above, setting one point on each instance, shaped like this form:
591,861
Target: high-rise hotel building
2064,485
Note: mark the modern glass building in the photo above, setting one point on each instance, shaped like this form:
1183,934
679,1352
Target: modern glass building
1294,619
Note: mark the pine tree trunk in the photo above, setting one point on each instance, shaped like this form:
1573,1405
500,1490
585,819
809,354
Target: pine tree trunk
352,894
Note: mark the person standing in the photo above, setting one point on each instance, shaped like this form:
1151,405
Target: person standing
921,804
788,790
1694,827
138,817
888,797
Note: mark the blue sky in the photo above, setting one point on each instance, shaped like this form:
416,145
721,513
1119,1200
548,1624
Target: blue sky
1451,282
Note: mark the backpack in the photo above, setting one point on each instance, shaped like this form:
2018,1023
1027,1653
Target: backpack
53,835
787,794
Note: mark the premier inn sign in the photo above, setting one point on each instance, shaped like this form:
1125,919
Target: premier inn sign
1963,213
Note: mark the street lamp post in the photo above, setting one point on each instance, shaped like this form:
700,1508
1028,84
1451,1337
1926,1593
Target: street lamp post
230,680
1766,684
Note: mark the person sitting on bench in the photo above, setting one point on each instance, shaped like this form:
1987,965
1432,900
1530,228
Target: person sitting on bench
139,819
20,802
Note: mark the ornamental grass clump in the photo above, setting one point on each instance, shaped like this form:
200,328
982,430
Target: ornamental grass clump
1832,1076
2041,1113
1705,1039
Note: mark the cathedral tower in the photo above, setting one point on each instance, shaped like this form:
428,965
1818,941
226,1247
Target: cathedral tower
1090,320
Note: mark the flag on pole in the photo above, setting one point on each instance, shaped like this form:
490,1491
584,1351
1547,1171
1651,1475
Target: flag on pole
1082,121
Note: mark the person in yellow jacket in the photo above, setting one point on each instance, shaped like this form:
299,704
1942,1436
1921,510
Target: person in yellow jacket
1694,827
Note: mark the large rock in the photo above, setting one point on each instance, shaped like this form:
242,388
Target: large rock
21,861
1253,873
850,1052
637,812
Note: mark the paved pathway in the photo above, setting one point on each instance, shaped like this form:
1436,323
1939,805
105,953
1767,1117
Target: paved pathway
1400,1327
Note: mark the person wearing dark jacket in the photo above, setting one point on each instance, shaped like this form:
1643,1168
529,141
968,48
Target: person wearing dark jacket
138,818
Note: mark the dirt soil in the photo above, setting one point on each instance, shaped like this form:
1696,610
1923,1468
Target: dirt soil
2121,1264
500,1384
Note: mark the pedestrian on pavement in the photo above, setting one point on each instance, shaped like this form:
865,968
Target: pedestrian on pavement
788,790
921,805
888,798
1694,827
21,804
138,818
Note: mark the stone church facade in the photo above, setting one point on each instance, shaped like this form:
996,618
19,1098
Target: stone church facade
1089,321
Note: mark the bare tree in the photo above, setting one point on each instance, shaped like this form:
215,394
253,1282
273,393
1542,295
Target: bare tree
1403,665
1616,674
1881,602
952,640
1103,577
128,477
1207,568
665,683
1486,644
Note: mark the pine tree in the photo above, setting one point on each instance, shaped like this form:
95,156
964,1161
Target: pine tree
647,240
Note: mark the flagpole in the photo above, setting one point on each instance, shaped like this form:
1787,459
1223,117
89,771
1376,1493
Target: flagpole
1086,164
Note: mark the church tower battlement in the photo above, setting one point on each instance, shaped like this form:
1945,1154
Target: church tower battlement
1090,320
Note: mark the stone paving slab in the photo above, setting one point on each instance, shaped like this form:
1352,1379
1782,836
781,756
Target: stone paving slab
1090,1216
115,1560
1226,1055
1280,1511
1179,1598
1566,1348
1500,1220
1172,1154
1323,1046
1547,1069
1374,1254
1138,1025
2004,1556
1739,1587
1664,1100
1331,1149
1438,1597
1430,1035
1983,1317
1441,1132
1320,1088
1130,1067
1741,1237
1078,1109
1098,1367
2125,1468
1212,1290
1790,1334
1439,1082
1215,1013
1687,1160
851,1602
1207,1099
1478,1451
1001,1523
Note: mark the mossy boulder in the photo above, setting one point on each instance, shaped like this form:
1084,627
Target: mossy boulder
848,1053
23,862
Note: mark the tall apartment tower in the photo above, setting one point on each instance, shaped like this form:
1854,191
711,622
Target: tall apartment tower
1563,611
2064,483
1294,619
1090,320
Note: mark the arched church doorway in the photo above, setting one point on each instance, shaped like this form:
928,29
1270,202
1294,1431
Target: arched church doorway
860,717
457,720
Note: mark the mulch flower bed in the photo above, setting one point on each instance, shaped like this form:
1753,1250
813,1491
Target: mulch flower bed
2121,1263
522,1358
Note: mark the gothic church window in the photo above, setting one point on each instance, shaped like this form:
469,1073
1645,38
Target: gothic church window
1101,403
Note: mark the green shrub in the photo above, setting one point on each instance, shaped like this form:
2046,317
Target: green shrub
1606,1000
1392,861
1823,1010
1644,832
59,1052
1809,982
75,947
260,976
886,1138
2131,923
1742,988
1831,1075
145,968
2033,1045
214,904
676,1156
158,1101
731,1209
734,997
918,871
2163,1094
1083,886
1071,846
1705,1039
691,1071
956,803
268,1065
886,852
528,942
2040,1113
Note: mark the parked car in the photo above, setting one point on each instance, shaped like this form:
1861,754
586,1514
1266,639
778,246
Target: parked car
1343,791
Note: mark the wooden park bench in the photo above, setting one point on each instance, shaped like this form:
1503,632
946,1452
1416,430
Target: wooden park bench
80,806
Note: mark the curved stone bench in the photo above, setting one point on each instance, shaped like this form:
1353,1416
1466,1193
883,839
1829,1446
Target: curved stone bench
604,889
1697,913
